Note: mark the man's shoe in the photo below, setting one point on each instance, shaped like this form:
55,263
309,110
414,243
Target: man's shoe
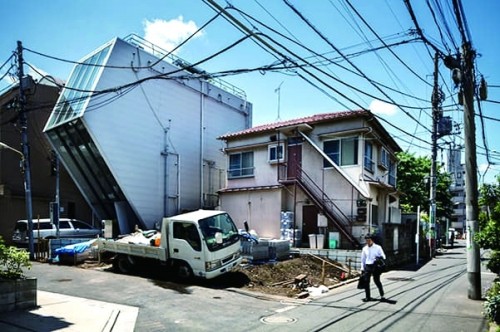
367,299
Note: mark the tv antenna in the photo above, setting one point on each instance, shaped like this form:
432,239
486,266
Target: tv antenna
278,91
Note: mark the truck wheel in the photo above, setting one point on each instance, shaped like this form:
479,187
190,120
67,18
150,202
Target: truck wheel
183,271
122,264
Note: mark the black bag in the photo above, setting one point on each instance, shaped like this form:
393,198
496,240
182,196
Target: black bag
362,281
379,265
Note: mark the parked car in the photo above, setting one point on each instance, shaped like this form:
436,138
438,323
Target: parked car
44,229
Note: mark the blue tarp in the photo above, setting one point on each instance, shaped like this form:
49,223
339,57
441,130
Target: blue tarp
76,248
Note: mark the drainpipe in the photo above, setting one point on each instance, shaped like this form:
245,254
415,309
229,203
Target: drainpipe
202,111
165,172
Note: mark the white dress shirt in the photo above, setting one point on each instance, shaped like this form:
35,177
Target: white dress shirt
370,253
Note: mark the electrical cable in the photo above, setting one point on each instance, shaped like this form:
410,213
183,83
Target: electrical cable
390,50
7,61
298,13
263,44
334,63
419,30
6,73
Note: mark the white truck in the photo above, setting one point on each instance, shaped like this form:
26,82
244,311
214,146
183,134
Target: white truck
203,243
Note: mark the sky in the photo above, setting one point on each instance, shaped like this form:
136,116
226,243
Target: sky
305,57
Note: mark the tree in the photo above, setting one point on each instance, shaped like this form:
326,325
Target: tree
413,182
413,174
488,236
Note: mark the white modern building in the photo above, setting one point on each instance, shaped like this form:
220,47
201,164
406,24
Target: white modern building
137,130
456,170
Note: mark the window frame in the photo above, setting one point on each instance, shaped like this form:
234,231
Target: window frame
385,158
392,179
243,171
339,156
279,154
368,162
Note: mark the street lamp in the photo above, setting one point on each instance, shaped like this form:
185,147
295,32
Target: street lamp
5,146
27,190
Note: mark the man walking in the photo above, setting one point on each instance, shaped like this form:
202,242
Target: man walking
370,253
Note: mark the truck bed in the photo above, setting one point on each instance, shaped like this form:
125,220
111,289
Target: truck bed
133,249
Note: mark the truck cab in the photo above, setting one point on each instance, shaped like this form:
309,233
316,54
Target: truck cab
202,243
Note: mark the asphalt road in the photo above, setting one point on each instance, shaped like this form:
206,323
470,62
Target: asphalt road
432,298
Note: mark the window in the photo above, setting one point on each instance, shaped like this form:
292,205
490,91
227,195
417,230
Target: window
221,226
368,156
189,233
64,224
80,225
240,165
392,174
275,153
342,151
384,158
374,216
72,102
41,225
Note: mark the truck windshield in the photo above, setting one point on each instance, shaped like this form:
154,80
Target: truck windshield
221,223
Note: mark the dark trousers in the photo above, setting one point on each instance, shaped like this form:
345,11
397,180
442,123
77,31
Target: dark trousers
369,271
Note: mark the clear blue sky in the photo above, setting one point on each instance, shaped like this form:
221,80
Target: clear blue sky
344,73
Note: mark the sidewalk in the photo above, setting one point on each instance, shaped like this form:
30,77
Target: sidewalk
66,313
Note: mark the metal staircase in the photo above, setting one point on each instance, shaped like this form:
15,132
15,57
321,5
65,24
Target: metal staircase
325,204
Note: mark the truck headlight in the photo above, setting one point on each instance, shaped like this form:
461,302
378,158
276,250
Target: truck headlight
213,265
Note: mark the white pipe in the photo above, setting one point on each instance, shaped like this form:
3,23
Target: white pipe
417,237
202,143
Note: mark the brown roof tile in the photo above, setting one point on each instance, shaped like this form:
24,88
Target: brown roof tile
312,119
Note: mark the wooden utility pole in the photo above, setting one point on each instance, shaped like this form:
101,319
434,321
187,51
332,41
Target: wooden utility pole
471,190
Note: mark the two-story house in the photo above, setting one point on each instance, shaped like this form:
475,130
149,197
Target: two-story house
335,173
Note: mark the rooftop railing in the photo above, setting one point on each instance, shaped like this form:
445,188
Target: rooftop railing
173,59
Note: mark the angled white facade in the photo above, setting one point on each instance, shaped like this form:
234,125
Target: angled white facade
144,144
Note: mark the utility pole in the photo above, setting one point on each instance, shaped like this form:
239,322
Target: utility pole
26,151
471,191
55,206
436,115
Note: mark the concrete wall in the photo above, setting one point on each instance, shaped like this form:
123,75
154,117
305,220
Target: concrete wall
260,208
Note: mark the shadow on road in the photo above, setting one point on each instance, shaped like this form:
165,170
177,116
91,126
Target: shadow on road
163,277
388,301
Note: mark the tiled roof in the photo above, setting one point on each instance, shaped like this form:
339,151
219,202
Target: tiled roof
313,119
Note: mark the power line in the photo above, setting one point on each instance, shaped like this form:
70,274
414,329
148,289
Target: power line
390,50
334,63
303,18
264,44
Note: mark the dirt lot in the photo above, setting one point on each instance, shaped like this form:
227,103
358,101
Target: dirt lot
290,278
293,277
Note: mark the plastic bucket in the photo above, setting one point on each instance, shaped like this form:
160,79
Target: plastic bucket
312,241
320,240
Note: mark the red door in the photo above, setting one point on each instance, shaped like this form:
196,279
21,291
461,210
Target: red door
309,222
294,160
